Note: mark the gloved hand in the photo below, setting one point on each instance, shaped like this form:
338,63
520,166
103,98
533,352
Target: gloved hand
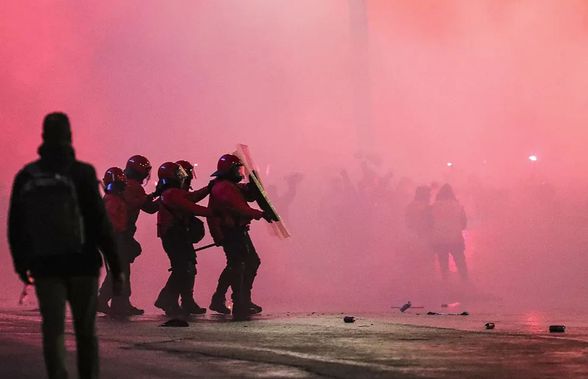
158,190
118,283
267,216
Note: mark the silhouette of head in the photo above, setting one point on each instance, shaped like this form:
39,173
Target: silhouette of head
445,193
56,129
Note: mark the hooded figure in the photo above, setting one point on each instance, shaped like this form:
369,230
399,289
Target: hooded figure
57,225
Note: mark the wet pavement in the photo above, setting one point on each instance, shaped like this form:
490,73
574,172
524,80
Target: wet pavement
314,345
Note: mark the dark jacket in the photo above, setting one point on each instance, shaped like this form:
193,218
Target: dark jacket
137,200
98,230
178,206
449,222
228,203
117,211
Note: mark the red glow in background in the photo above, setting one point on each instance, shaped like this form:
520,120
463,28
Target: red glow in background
317,87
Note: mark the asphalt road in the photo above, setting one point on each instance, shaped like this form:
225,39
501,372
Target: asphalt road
298,346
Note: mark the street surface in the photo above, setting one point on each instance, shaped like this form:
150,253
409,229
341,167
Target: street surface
308,345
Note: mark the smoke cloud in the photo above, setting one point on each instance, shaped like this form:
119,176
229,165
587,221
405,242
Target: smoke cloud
364,99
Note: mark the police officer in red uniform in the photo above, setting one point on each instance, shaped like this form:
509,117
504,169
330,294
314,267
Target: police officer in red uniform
115,182
177,207
189,169
198,194
137,172
229,228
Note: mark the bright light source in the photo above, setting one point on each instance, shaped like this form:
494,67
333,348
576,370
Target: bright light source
533,158
449,164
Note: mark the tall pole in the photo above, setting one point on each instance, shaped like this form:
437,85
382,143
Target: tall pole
360,76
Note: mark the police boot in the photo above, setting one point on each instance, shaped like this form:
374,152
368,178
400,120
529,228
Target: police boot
254,308
241,312
170,308
218,305
134,311
119,306
191,307
102,305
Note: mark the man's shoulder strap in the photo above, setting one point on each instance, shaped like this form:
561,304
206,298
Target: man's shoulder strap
33,169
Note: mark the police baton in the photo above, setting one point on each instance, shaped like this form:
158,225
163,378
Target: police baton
205,247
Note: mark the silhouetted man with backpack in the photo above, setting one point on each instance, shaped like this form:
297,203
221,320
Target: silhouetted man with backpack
57,225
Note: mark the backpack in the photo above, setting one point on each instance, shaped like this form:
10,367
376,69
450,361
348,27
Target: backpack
53,221
194,227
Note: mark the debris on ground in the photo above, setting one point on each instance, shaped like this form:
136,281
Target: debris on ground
557,328
175,323
464,313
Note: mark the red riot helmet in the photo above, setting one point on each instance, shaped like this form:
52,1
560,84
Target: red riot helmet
188,167
228,166
138,167
171,173
114,179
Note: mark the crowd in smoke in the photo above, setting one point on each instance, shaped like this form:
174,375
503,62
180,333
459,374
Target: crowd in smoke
453,80
353,249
